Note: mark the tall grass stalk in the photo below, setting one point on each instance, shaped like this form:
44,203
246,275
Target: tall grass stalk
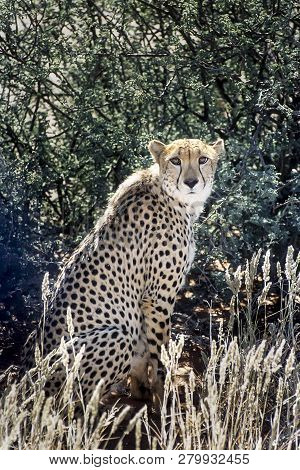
247,398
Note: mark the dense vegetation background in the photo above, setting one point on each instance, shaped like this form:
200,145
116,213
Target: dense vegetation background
86,84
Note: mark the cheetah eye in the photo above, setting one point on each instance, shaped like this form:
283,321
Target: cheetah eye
203,160
176,161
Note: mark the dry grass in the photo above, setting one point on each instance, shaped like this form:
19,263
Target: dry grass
248,397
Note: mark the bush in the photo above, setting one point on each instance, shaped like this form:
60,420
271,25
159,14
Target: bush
85,85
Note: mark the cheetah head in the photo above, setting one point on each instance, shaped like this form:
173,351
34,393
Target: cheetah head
187,168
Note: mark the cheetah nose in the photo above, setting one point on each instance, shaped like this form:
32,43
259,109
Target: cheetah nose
190,182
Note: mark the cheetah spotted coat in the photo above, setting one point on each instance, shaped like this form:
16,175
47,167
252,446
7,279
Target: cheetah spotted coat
121,285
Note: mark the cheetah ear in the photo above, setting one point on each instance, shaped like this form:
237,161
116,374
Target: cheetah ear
156,148
219,147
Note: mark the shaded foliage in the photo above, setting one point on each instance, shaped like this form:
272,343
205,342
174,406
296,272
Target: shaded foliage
85,84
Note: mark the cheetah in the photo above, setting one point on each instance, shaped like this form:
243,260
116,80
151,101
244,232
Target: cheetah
121,283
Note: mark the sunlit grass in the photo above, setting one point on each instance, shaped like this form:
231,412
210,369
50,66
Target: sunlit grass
247,398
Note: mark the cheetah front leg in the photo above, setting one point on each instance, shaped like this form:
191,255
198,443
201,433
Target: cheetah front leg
138,380
157,327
